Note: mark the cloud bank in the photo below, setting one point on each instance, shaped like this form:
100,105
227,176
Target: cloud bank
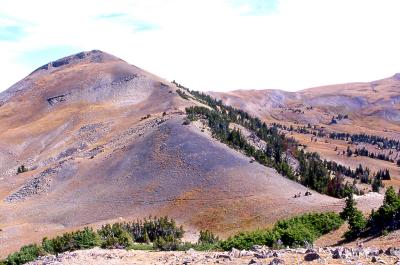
210,44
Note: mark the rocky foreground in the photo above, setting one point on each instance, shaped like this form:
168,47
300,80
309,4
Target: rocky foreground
259,255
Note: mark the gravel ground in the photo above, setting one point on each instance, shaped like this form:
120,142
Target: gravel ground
259,255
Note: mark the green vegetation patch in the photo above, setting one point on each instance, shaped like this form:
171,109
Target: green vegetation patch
293,232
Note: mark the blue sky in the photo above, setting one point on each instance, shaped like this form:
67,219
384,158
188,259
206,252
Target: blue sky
39,57
257,7
210,44
11,33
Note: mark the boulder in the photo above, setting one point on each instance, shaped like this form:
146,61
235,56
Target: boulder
277,261
336,254
253,262
223,256
393,251
311,256
235,253
375,252
245,253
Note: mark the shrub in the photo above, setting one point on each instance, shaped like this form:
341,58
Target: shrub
182,94
82,239
87,238
25,254
167,243
21,169
163,231
297,234
247,240
152,228
141,247
297,231
115,236
207,237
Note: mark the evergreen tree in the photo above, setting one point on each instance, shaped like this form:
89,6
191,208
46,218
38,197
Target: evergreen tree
388,215
376,184
146,238
349,152
350,208
357,222
207,237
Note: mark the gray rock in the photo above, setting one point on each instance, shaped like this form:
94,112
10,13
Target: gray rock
336,254
277,261
311,256
190,251
346,253
375,252
393,251
245,253
252,261
300,250
265,254
223,256
235,253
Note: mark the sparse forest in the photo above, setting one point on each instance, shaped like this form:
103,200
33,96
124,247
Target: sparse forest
314,172
382,142
381,221
162,232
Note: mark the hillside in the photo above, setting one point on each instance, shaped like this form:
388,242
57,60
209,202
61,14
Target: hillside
372,108
357,108
103,140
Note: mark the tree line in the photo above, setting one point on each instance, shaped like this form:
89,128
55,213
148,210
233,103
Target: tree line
382,142
162,232
380,156
296,231
381,221
313,173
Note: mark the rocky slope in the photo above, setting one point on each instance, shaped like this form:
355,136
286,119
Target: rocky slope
103,140
259,255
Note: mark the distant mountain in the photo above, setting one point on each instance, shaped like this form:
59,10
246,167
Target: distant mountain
372,107
103,140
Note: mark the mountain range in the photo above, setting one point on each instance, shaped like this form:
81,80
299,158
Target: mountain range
90,139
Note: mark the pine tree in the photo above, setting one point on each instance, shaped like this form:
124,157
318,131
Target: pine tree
357,224
146,238
355,218
376,184
350,207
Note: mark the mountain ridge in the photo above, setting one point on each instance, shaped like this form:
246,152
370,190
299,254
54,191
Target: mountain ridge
99,146
375,102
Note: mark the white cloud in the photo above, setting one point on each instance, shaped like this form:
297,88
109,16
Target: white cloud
216,44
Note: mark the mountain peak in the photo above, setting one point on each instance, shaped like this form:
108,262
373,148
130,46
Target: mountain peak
93,56
396,76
